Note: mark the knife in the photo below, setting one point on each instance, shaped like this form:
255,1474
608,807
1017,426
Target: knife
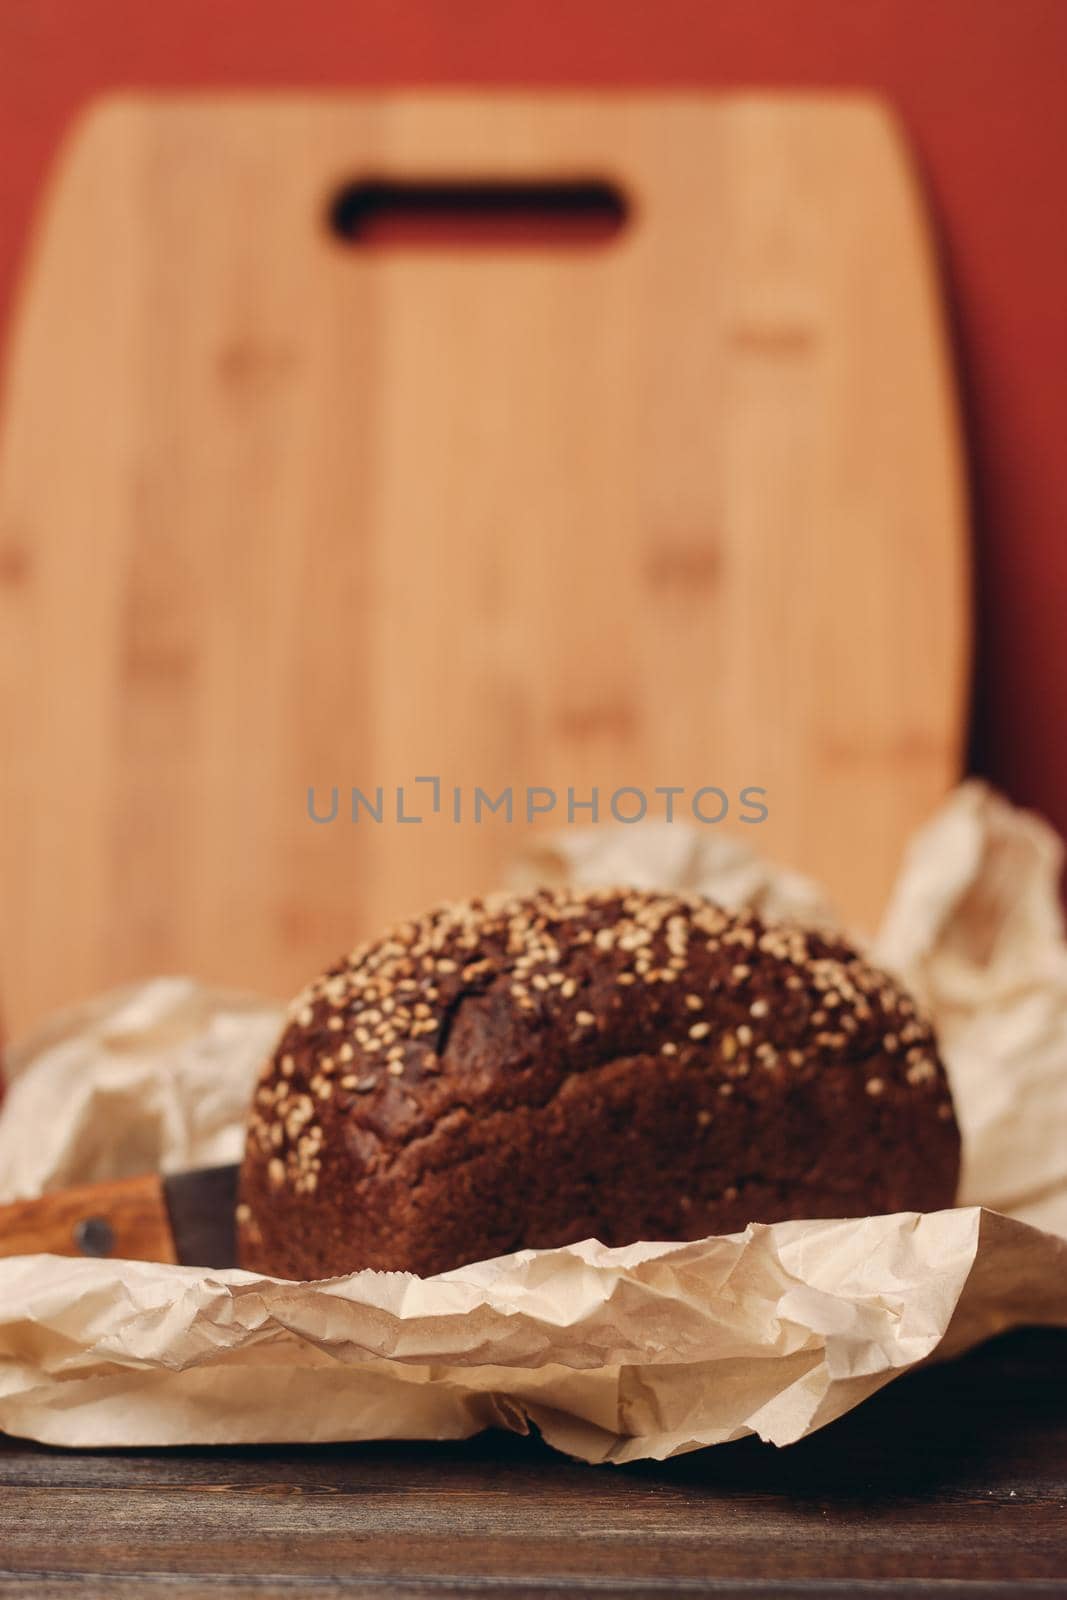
184,1218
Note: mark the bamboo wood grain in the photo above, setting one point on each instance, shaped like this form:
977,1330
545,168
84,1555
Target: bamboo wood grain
275,513
134,1209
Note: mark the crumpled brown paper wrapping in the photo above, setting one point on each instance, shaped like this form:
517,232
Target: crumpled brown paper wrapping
613,1354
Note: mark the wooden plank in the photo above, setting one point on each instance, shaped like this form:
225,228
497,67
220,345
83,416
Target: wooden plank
682,509
953,1481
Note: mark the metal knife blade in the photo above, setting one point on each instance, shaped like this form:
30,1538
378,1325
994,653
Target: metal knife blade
201,1207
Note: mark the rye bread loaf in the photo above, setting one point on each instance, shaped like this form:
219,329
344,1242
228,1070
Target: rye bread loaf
616,1063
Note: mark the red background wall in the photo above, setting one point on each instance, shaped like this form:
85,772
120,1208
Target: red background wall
981,84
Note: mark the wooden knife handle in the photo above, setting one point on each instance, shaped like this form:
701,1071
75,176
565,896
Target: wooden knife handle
126,1218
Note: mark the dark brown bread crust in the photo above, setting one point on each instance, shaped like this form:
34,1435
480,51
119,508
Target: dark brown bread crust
616,1063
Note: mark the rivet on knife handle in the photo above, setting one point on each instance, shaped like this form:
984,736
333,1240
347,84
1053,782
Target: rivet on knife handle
94,1237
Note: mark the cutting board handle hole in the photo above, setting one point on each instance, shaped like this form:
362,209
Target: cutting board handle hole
376,213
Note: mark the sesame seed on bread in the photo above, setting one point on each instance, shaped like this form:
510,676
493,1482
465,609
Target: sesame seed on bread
526,1071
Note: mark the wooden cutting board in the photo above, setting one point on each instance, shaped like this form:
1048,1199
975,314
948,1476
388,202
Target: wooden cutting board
681,507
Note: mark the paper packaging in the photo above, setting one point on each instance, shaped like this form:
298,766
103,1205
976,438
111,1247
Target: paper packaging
614,1354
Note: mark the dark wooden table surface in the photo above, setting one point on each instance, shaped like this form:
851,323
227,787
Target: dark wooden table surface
952,1482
